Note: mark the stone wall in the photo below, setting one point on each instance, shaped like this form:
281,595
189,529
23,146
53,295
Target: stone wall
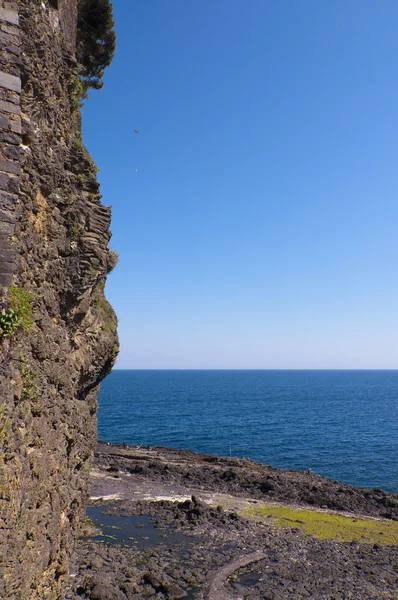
10,130
68,17
54,241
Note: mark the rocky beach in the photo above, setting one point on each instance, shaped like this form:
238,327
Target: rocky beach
169,524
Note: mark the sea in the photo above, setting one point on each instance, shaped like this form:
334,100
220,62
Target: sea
341,424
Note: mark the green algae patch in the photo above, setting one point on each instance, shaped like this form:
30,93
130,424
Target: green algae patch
324,525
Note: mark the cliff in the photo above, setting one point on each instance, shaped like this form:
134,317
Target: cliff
57,331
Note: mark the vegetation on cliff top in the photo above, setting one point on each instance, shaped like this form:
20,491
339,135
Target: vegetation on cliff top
96,41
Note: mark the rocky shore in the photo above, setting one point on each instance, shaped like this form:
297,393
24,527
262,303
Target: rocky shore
174,524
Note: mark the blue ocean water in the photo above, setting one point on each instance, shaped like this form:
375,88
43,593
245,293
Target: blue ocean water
341,424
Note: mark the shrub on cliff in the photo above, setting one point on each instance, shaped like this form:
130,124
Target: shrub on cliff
113,260
96,41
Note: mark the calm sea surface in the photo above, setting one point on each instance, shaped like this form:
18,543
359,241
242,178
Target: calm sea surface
341,424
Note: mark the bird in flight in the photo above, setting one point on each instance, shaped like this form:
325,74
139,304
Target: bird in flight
135,170
136,131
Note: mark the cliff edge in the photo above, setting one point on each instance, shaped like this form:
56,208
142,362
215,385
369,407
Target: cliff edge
58,334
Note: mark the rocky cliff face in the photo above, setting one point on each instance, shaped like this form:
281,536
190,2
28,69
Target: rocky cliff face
54,257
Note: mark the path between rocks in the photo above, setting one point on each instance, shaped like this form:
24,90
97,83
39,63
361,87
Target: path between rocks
217,580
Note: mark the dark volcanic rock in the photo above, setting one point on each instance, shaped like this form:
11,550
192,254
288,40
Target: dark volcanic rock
292,565
51,369
246,478
210,552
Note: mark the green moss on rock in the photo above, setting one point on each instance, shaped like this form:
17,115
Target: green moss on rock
325,525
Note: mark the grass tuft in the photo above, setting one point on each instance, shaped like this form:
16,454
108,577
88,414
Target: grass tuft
21,302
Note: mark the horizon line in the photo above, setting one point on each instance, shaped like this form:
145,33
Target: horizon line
250,369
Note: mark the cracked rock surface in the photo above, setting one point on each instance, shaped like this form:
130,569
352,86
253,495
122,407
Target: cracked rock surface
51,369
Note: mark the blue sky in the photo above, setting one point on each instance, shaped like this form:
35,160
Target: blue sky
260,230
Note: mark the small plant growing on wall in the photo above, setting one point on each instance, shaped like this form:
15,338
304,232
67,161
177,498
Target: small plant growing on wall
75,232
78,141
31,382
9,323
19,313
75,92
113,260
82,179
20,301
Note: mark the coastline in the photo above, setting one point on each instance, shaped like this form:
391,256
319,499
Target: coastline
290,420
244,530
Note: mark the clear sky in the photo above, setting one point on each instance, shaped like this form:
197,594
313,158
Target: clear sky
261,228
